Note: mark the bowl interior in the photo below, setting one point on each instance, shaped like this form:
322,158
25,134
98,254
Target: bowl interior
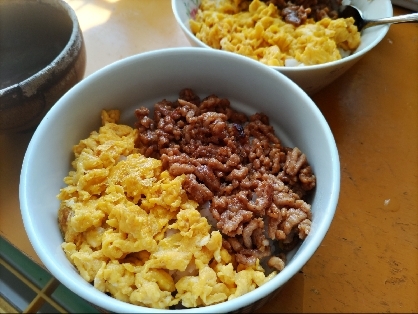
142,80
33,35
373,10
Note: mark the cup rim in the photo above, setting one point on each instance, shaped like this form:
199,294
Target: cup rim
29,86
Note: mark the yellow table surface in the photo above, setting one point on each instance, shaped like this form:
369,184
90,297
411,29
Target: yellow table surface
368,261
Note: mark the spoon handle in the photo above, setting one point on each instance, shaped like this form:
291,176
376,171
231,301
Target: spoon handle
406,18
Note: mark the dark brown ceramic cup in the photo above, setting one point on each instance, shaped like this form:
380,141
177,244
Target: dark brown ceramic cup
42,55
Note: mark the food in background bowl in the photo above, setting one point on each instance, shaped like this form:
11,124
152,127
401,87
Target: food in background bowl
276,35
137,228
310,78
144,80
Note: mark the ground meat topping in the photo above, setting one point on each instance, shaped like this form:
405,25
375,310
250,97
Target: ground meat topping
255,187
296,12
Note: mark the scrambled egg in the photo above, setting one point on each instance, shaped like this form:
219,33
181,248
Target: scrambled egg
130,229
259,32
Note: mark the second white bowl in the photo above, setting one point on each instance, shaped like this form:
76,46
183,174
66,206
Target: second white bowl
314,77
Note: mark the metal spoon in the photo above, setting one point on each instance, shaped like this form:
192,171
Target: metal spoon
361,23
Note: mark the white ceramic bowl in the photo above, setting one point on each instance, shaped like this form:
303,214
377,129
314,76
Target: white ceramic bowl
143,80
310,78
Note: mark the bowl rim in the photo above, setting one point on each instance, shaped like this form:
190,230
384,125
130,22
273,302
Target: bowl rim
235,304
30,85
284,69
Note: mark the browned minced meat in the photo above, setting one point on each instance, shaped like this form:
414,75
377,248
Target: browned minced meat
255,186
297,12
